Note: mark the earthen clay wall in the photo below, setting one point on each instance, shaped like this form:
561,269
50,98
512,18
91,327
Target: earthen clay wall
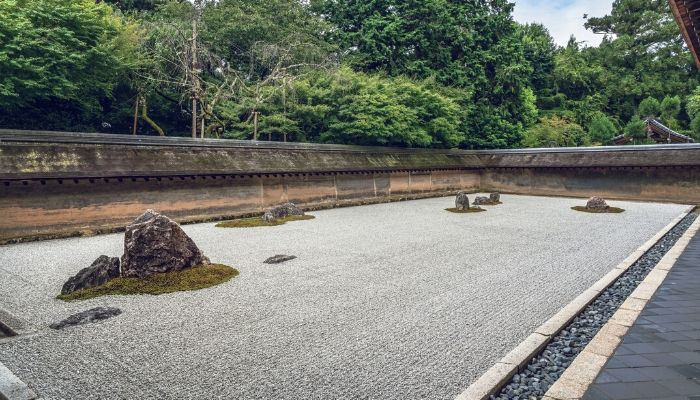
60,184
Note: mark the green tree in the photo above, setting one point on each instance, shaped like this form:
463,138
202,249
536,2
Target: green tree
136,5
355,108
473,46
649,107
670,108
72,53
695,127
635,130
602,130
692,106
555,132
539,50
643,55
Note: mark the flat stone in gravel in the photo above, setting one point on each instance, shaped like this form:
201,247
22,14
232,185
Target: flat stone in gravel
387,301
278,259
87,316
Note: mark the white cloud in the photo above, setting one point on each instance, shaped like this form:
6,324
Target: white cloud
563,17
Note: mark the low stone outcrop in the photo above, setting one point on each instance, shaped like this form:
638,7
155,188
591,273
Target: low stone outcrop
597,203
281,211
154,243
495,197
98,273
462,201
482,200
88,316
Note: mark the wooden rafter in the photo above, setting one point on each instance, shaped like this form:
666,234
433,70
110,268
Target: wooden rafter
687,13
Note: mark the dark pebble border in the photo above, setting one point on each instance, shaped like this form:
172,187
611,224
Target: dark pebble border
544,369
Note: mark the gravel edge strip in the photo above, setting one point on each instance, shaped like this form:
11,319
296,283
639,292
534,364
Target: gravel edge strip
504,371
12,388
575,381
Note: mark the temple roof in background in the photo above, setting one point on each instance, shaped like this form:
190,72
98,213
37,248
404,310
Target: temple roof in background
687,13
658,132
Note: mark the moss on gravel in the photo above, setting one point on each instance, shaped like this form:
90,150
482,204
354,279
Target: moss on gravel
609,210
257,221
465,211
199,277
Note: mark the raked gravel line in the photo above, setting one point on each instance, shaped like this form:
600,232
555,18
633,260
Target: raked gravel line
390,301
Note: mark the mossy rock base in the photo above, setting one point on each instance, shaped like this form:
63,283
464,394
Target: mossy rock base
199,277
466,211
257,221
609,210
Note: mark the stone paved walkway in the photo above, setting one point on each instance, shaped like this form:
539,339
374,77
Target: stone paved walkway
660,355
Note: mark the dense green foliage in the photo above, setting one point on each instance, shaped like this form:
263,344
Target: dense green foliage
555,132
416,73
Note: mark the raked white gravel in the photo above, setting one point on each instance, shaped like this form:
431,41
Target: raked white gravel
389,301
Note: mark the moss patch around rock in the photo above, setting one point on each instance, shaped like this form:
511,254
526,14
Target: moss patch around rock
609,210
466,211
199,277
257,221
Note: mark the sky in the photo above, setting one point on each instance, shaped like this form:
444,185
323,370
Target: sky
563,17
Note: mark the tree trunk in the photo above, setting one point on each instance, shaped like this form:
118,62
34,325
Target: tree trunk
144,115
255,125
136,115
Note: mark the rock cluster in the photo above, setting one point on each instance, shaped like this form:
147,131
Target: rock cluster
154,243
281,211
462,201
494,198
597,203
88,316
481,200
98,273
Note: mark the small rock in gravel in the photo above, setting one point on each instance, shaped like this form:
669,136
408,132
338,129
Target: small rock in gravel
281,211
495,197
462,201
88,316
99,272
597,203
279,258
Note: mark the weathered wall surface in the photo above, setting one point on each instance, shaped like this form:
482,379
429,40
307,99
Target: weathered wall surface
57,184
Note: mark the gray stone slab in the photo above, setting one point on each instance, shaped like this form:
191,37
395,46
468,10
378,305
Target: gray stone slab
661,348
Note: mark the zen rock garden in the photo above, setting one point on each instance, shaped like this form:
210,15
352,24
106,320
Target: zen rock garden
403,290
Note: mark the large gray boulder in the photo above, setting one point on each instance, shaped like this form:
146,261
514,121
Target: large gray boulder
281,211
462,201
98,273
597,203
154,243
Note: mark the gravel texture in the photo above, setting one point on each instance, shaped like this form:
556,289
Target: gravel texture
543,370
392,301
